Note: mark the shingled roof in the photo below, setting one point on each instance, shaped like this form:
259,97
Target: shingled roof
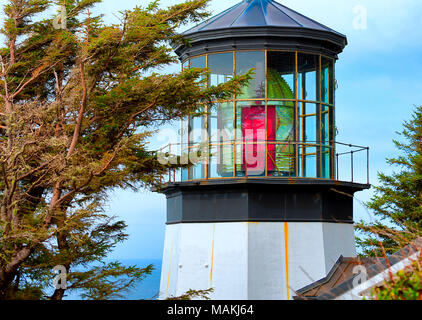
258,24
340,279
342,271
259,13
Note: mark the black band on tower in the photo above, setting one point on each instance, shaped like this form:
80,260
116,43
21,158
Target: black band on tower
261,200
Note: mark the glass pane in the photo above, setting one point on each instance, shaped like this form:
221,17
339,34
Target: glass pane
308,124
301,165
307,108
250,119
185,174
307,161
281,119
221,161
221,123
197,129
250,138
200,62
240,168
252,60
310,160
325,162
221,67
308,69
197,172
184,133
325,125
281,160
327,80
198,157
185,64
281,70
281,129
325,140
310,129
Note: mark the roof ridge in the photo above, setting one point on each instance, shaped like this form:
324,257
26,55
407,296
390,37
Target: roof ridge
230,17
272,3
263,18
213,18
376,268
263,13
238,16
323,280
306,17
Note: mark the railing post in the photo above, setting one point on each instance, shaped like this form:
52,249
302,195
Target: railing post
337,158
245,151
330,163
367,164
290,159
170,168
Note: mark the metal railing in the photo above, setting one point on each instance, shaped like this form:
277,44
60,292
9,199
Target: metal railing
336,161
355,151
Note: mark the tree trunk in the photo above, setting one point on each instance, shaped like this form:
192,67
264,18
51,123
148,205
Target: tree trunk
58,294
6,279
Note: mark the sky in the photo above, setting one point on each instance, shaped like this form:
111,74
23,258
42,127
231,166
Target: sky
379,84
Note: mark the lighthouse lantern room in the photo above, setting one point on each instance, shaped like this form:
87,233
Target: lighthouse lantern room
262,210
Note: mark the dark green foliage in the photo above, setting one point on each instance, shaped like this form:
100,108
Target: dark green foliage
404,285
77,107
397,203
193,294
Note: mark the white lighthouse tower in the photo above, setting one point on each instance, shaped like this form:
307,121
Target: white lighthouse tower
264,212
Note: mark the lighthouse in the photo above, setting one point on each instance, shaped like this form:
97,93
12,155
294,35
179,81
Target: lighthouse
264,211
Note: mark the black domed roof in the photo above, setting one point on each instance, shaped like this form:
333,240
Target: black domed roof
261,24
259,13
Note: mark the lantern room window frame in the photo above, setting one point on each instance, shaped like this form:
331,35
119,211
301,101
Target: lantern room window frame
321,151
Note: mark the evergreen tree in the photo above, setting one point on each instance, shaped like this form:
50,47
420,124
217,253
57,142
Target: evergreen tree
398,200
78,102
